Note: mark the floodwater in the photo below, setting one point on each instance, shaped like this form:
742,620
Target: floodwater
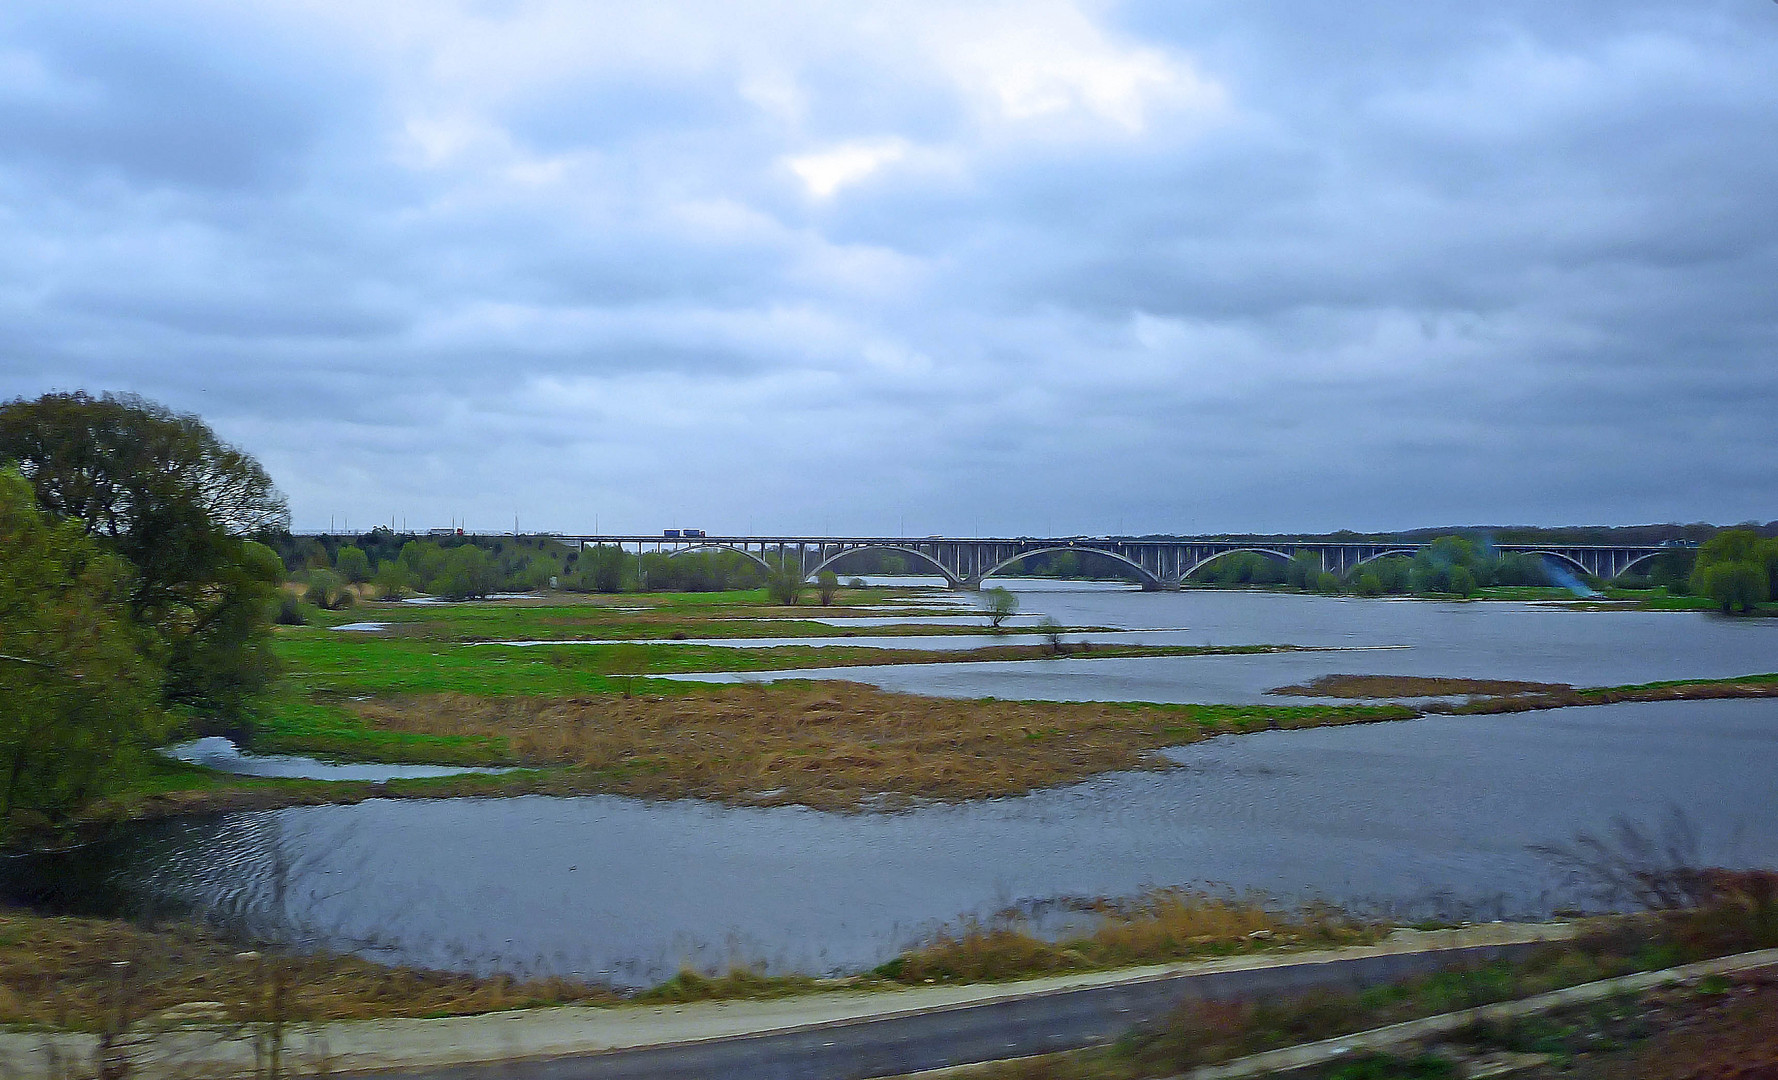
1429,816
888,641
1533,642
218,753
1417,817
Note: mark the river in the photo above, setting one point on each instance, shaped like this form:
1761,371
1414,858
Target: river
1430,816
1534,642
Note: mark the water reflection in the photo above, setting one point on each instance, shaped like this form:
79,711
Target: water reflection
1414,816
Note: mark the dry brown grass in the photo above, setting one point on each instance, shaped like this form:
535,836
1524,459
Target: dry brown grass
61,972
1388,686
837,746
1506,696
1168,924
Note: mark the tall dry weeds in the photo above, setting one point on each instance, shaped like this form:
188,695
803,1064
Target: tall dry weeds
62,972
836,746
1163,925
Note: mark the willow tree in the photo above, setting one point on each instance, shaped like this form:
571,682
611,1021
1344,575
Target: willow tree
77,694
1738,569
179,505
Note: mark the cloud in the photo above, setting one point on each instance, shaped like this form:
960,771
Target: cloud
826,171
1053,265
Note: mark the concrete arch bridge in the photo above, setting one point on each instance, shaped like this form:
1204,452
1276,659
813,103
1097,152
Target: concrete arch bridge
1159,564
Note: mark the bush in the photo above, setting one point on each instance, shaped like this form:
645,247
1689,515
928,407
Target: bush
327,590
468,573
290,610
785,583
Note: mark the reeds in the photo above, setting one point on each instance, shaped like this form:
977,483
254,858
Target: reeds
70,973
1163,925
836,746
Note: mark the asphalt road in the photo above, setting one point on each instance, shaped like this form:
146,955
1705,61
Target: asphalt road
1044,1023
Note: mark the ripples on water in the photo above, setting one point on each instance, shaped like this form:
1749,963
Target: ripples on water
1411,817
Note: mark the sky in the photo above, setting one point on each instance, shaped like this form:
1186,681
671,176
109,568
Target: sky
912,268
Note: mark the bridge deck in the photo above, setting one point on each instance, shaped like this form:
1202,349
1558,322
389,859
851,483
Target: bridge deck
1161,563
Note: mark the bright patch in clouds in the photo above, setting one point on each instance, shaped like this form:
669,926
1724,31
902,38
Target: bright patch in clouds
941,265
827,171
1037,60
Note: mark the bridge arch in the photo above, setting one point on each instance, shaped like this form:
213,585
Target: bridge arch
1148,576
763,565
1638,559
1201,563
1409,552
952,579
1579,566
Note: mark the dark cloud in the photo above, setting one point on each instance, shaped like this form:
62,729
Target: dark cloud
153,95
1145,266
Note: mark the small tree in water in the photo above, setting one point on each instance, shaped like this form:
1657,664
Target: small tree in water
626,663
1000,604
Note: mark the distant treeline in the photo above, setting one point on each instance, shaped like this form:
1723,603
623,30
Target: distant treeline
336,569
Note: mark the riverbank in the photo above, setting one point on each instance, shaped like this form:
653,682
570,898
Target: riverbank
61,972
98,975
1200,1036
1532,959
830,746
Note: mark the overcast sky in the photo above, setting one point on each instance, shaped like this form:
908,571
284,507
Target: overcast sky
1024,268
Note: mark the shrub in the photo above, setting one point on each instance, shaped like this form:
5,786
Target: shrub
290,610
785,583
327,590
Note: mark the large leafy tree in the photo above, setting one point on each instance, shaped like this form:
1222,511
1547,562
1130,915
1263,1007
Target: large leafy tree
1737,568
77,697
178,504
